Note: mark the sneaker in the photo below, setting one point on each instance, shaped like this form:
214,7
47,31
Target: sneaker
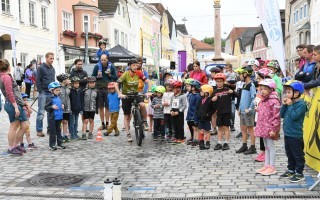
287,174
155,139
61,147
207,146
40,134
52,148
201,145
117,133
22,149
66,139
106,133
259,171
32,147
194,143
214,131
232,128
90,136
297,178
225,146
260,157
239,135
84,136
190,141
129,138
102,127
252,150
269,171
146,127
242,149
14,152
218,147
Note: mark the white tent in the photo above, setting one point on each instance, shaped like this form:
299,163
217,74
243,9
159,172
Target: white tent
226,57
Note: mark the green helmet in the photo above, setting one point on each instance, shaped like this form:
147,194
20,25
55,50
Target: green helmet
274,64
160,89
153,88
75,79
239,70
188,81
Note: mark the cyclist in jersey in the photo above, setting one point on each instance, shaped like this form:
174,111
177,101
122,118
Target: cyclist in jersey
130,80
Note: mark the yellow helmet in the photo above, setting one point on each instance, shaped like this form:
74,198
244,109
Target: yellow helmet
239,70
207,88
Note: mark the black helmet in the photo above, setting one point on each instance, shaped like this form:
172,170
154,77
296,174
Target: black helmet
102,42
215,69
75,79
91,79
62,77
248,69
132,61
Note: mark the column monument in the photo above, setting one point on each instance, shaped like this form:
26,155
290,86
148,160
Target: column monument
217,32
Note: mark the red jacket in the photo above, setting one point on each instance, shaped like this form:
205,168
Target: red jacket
199,76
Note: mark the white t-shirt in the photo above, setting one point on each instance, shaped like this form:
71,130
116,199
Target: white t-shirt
167,97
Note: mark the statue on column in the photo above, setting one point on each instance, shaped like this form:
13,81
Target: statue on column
216,2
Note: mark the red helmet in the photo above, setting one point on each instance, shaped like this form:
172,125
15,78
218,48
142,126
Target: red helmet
220,76
176,84
111,85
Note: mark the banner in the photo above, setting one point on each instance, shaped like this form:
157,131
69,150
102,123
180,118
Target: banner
311,130
269,14
182,60
13,45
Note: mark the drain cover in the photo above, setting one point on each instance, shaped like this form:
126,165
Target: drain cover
54,180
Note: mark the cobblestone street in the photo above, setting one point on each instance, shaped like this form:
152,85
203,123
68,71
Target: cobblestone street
155,170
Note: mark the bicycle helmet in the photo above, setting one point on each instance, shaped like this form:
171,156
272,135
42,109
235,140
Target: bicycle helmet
286,79
188,81
239,70
176,84
132,61
196,84
269,83
254,62
274,64
265,72
62,77
169,82
220,76
207,88
53,85
24,95
160,89
153,88
215,69
295,85
91,79
75,79
111,85
102,42
248,69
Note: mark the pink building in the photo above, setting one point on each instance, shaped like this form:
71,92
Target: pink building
260,45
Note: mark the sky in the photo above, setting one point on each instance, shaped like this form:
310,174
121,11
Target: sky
200,15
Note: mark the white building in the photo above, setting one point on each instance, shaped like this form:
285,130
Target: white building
34,31
315,21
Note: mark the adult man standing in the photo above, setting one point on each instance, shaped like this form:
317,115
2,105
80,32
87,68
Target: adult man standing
17,74
303,60
108,75
45,75
306,73
80,73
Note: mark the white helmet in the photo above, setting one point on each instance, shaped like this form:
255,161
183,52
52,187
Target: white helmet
254,62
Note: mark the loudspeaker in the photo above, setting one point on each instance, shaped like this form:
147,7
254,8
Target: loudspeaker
172,65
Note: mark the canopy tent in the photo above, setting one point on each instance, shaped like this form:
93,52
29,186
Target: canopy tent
120,54
225,56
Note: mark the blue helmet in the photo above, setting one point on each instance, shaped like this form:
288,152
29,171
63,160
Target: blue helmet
53,85
295,85
24,95
196,84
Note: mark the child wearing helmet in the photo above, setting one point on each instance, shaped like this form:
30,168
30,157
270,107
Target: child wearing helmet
114,108
204,111
166,102
54,106
158,116
187,84
76,106
193,98
274,66
238,90
222,97
293,111
178,105
268,124
65,98
214,71
90,107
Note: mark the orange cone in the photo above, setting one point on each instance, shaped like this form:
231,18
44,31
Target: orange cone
99,136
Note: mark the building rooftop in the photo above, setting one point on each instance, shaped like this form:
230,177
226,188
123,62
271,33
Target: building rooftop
199,45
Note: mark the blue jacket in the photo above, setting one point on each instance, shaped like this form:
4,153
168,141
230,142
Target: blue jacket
193,100
54,114
293,118
114,102
100,52
307,72
248,94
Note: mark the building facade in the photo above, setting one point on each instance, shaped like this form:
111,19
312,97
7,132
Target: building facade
315,21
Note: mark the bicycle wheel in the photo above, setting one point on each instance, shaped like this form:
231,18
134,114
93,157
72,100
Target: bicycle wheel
138,127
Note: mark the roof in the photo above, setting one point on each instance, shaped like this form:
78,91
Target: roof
171,21
182,28
263,33
83,4
306,26
199,45
247,37
108,6
158,6
234,35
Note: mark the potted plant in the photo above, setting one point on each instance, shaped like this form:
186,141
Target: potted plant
90,35
98,36
70,33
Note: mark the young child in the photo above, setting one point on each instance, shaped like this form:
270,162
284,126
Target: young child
212,82
193,98
55,108
268,124
239,86
204,111
102,50
114,108
76,101
274,66
65,98
247,112
158,116
90,96
166,102
150,109
28,111
293,111
222,97
178,105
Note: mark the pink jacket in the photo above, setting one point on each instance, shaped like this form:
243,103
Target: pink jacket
268,116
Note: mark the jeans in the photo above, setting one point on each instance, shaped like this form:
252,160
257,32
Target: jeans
168,124
158,127
41,103
55,133
73,125
28,89
178,125
294,150
233,111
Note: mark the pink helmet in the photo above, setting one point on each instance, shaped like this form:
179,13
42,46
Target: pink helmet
269,83
265,72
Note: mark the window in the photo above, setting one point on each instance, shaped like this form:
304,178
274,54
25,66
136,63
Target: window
23,60
305,10
95,24
123,13
44,17
119,11
86,23
66,20
294,18
20,11
5,6
116,37
32,13
122,39
301,13
126,41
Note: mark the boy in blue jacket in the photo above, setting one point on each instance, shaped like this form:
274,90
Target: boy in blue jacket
54,107
114,107
293,111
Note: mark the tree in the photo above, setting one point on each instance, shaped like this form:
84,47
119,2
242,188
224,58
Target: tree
209,40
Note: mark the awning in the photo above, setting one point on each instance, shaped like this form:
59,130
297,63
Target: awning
164,63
